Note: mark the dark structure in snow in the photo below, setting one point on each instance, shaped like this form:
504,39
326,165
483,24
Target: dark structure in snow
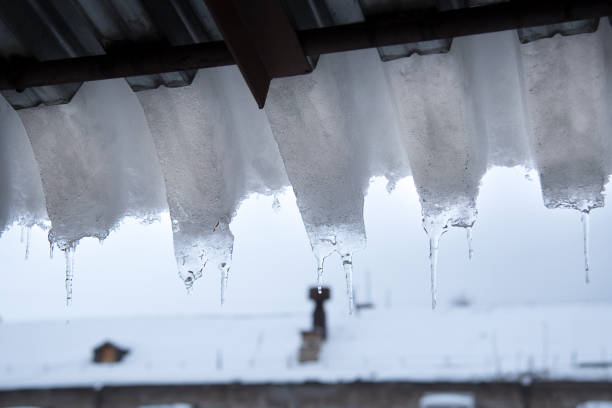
109,353
318,317
312,340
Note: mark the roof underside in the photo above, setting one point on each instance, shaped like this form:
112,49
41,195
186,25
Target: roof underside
146,40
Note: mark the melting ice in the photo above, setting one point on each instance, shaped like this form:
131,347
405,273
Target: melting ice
97,163
215,147
567,99
443,118
447,155
335,129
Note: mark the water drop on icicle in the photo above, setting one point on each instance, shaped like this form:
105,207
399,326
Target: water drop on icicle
468,231
347,264
69,253
584,218
27,248
224,268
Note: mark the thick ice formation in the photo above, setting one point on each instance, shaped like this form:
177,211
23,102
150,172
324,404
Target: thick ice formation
97,162
21,195
215,147
568,114
492,67
488,102
335,128
447,155
566,108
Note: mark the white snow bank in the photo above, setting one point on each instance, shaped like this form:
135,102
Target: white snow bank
215,148
96,160
21,195
447,155
335,129
492,67
436,112
564,88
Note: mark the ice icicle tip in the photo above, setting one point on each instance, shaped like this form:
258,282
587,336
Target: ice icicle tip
468,231
191,277
27,247
69,250
584,218
320,262
322,246
347,264
435,227
224,268
276,205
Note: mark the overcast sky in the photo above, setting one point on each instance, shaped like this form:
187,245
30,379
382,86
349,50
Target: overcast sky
524,253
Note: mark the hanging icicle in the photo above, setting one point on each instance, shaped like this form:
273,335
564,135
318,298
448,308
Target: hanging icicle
468,232
69,251
347,264
584,218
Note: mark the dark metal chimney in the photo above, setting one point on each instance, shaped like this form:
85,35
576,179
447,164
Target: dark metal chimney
318,317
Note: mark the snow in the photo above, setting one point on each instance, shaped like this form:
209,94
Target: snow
447,400
445,119
96,161
552,342
324,124
565,86
21,196
215,148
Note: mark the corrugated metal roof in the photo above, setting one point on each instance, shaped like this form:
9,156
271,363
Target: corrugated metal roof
57,29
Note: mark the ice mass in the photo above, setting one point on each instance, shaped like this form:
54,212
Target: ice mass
496,99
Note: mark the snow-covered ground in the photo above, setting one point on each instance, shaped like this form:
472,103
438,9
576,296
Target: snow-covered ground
463,344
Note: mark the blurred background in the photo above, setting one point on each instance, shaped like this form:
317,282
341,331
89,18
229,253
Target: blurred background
516,315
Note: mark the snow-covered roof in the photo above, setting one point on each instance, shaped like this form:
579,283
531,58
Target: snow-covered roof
505,344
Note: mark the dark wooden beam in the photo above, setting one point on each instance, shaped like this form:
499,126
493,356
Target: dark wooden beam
24,73
429,25
265,48
262,41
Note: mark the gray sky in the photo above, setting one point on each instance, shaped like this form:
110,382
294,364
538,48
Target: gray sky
524,253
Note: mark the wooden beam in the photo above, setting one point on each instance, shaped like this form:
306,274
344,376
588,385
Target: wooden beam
261,40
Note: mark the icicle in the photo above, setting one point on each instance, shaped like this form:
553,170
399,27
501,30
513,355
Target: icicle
28,236
224,268
468,231
51,250
347,264
69,253
320,262
434,240
21,235
276,205
191,278
435,229
584,217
